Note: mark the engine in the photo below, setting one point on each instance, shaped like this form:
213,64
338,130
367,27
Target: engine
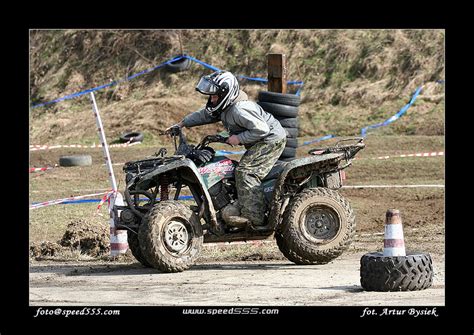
222,193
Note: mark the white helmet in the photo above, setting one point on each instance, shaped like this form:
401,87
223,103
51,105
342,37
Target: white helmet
220,83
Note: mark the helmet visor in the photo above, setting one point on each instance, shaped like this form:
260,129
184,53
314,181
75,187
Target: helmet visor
206,86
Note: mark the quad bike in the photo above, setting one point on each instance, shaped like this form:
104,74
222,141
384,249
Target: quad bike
312,223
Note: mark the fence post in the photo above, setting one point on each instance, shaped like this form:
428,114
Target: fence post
277,73
118,238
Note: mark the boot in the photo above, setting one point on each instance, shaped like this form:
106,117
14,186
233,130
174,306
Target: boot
257,228
231,215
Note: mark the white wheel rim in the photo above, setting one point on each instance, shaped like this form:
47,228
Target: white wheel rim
176,236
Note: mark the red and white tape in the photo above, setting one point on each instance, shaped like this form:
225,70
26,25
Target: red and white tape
41,169
48,147
58,201
423,154
105,198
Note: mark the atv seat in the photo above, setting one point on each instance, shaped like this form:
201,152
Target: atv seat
276,170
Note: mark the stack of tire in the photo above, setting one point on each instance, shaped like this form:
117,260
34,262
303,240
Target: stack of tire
284,107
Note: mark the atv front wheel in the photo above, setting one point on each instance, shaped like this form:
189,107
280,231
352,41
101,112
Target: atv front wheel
134,246
318,225
171,236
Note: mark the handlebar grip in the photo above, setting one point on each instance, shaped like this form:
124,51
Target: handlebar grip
222,139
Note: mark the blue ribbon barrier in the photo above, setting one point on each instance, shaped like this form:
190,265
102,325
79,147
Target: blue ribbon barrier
81,201
209,66
172,60
327,137
74,95
225,152
394,117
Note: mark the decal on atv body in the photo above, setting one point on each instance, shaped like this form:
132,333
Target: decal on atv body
217,169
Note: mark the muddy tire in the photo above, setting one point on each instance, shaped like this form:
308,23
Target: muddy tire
131,137
291,143
134,246
318,226
291,122
75,160
396,273
279,110
171,237
279,98
179,65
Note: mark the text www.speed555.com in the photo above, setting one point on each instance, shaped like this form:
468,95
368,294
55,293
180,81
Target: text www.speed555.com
231,311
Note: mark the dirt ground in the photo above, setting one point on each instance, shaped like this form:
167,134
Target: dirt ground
255,283
255,274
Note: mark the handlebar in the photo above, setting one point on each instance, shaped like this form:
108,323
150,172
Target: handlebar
211,139
172,131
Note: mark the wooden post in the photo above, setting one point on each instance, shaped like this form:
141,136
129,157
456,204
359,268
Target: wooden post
277,73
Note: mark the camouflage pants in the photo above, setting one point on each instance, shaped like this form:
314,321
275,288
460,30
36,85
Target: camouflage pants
254,165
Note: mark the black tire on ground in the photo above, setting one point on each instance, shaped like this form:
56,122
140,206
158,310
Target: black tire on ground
292,143
288,152
134,246
279,98
291,122
396,273
171,236
181,64
75,160
318,226
292,132
279,110
131,137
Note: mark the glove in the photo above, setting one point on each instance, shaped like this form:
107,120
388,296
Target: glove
201,156
174,129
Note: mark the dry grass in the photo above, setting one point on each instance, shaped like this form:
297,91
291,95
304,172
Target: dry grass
353,78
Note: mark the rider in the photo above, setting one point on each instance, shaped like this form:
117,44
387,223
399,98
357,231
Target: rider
249,125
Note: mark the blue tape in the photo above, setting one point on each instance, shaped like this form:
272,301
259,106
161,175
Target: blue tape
327,137
263,80
209,66
172,60
78,94
225,152
393,117
81,201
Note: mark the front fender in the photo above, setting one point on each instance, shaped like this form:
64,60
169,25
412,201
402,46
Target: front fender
186,170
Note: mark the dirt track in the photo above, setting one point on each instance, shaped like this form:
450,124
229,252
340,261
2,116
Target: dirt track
275,283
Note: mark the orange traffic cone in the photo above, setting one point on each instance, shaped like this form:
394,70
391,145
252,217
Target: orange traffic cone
393,244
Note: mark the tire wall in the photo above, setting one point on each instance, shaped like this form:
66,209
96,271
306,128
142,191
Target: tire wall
284,107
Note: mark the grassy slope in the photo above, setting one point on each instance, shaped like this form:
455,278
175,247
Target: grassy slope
353,78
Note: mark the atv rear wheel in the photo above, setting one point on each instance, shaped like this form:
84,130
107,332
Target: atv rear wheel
318,225
171,236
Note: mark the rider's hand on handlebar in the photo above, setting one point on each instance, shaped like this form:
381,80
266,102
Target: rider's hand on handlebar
233,140
169,130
